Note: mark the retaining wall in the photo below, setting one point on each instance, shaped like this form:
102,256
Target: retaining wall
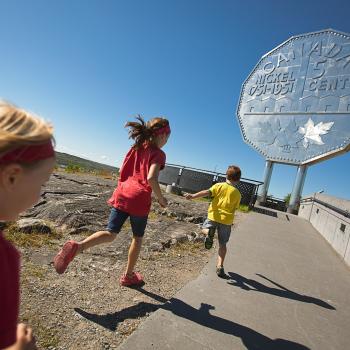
330,216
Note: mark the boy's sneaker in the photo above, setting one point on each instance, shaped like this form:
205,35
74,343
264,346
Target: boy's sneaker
135,279
65,256
208,243
221,272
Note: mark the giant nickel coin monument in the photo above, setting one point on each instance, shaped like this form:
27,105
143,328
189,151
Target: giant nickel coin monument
294,107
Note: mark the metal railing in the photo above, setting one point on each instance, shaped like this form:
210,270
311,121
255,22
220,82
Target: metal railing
343,212
193,180
275,203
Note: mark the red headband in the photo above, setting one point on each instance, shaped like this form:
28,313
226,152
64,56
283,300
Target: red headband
163,130
28,154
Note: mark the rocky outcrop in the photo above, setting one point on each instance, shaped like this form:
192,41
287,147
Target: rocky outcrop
75,203
33,225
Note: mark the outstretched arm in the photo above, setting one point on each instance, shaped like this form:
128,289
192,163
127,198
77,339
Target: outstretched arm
204,193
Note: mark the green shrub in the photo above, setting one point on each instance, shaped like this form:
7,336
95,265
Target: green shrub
73,168
244,208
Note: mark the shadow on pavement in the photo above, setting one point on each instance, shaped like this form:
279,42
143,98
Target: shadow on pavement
251,339
265,211
253,285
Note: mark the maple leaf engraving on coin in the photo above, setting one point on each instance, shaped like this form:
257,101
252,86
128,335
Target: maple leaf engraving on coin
312,133
288,137
266,133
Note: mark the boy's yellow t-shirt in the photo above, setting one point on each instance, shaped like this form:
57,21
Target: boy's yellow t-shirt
226,199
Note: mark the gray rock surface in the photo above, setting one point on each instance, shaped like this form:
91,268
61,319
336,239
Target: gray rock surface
29,225
77,203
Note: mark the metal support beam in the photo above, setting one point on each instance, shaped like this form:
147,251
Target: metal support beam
265,186
297,189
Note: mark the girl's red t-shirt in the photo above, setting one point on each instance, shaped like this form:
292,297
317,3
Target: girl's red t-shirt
133,194
9,292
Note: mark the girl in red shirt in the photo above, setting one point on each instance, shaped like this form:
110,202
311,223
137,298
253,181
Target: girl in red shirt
132,198
27,159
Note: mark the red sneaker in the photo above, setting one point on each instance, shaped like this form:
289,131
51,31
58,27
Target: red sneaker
65,256
135,280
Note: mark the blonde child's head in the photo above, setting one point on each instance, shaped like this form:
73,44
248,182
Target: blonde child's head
233,173
27,159
156,131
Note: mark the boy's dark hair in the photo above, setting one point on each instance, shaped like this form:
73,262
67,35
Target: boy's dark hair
233,173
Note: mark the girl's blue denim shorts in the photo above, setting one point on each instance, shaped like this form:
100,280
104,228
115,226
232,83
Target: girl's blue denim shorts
117,219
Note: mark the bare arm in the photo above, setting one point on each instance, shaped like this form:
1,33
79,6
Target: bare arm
152,179
204,193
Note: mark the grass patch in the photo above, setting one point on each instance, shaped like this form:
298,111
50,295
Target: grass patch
77,169
244,208
74,168
31,270
34,239
46,337
187,248
152,215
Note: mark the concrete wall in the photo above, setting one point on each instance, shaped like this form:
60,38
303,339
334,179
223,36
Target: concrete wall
334,227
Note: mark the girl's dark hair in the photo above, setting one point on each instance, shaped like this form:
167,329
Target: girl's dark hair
142,132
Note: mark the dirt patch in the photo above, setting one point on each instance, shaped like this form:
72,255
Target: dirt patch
86,308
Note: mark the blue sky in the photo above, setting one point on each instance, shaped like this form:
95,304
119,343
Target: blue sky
89,66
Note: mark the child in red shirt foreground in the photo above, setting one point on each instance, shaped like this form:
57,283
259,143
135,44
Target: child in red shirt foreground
132,198
26,161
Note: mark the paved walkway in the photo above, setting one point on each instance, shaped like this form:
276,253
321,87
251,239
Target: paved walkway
287,289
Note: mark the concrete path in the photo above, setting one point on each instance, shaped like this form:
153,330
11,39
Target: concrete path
287,289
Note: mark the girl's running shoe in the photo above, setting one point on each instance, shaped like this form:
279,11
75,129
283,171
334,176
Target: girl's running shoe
135,279
65,256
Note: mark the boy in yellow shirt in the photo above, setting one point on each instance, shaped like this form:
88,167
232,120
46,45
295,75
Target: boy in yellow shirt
225,200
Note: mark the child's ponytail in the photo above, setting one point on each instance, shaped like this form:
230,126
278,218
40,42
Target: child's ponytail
142,132
138,131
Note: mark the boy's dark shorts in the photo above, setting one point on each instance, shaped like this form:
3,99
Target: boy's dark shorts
224,231
117,219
